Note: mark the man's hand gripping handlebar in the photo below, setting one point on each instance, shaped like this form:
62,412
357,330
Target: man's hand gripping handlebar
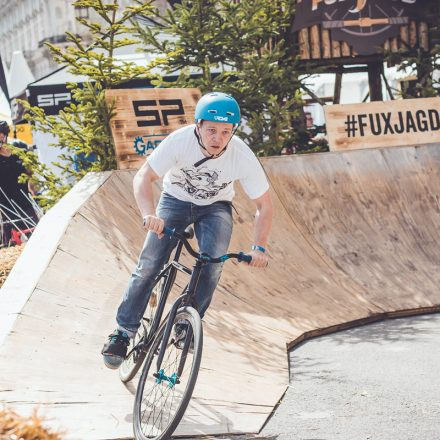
241,256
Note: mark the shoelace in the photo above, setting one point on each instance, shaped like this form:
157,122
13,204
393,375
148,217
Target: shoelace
120,338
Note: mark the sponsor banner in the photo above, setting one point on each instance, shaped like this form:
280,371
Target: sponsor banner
383,124
363,24
51,98
144,117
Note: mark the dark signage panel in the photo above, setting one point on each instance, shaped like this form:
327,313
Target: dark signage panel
51,98
363,24
54,97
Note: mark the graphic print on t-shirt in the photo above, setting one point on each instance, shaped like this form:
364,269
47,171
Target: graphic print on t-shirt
199,183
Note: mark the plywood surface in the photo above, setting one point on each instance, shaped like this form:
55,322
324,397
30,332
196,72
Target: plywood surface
355,236
144,117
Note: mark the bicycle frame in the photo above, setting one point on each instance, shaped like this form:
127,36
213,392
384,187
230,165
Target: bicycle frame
184,299
172,267
170,271
164,369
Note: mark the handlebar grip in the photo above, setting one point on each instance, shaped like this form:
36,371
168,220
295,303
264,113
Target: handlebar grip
168,231
243,257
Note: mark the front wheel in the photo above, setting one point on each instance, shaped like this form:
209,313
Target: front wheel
162,396
136,349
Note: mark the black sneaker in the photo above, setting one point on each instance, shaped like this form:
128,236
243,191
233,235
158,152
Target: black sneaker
115,350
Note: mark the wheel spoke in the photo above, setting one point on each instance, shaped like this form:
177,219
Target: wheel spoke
162,396
133,362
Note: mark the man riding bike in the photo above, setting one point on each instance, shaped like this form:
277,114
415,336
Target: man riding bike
199,164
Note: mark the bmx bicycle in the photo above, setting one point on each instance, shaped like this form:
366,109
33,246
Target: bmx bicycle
171,348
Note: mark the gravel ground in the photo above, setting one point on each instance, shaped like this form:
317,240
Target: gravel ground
8,257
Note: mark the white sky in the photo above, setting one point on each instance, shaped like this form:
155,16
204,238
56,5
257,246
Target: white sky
5,111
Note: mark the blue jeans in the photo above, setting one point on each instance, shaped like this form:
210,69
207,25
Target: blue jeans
213,228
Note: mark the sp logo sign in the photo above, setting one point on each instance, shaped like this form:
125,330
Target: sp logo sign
156,113
143,117
53,99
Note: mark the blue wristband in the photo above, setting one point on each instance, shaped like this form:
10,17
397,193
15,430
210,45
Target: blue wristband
255,247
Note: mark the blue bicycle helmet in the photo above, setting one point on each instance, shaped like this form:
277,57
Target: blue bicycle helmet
218,107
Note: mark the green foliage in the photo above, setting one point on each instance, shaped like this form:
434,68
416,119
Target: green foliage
247,46
48,186
82,129
420,66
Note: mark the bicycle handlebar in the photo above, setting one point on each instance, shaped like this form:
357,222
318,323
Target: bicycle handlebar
241,256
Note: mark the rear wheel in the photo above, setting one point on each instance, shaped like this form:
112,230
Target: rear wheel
162,396
137,350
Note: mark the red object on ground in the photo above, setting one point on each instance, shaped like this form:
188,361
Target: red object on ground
17,236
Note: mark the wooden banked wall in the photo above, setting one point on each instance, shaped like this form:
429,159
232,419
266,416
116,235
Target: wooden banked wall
355,240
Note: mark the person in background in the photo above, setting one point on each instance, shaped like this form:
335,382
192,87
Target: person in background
15,208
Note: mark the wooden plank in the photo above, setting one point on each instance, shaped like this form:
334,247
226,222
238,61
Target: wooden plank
383,124
336,49
315,43
304,44
146,116
424,36
404,37
326,45
345,49
413,39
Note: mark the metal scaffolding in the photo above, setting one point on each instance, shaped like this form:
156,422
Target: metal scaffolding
11,213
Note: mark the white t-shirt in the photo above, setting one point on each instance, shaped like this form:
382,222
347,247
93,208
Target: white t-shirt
213,180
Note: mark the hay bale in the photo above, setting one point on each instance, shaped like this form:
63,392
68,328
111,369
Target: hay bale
15,427
8,257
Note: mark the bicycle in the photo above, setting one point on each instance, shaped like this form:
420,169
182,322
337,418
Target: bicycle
174,344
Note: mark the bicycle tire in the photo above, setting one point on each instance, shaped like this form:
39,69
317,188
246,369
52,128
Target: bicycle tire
133,362
148,386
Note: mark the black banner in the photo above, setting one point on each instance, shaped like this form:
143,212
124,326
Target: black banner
51,98
54,97
363,24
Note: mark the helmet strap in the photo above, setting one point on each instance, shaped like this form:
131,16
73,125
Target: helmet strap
212,156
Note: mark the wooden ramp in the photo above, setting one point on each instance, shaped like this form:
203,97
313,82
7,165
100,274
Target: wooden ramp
355,239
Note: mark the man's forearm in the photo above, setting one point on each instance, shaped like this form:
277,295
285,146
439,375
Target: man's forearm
143,194
263,225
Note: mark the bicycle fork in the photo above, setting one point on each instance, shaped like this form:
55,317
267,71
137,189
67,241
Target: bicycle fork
174,378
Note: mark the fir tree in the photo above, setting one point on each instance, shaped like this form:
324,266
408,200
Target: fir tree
243,48
82,128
